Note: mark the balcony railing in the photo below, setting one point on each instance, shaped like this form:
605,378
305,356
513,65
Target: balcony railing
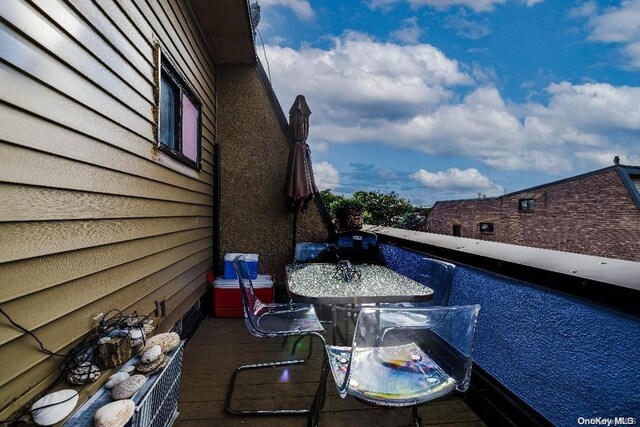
558,332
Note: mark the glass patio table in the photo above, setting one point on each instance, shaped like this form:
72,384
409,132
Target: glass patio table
318,283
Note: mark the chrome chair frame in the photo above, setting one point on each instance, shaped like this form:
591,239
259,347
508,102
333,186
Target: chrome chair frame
255,330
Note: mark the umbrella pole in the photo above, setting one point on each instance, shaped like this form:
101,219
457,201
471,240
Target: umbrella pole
293,234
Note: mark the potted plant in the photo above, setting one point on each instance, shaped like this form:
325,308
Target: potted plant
349,213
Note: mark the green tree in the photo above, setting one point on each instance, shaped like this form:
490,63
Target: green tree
329,198
388,209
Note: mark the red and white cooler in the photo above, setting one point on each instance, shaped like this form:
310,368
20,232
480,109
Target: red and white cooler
227,301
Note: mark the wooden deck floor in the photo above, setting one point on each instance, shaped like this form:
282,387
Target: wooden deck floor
220,345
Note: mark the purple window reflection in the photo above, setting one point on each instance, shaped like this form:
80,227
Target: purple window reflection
190,118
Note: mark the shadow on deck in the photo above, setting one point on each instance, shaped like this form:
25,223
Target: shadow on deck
219,345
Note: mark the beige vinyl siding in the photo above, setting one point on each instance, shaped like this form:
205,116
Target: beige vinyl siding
93,215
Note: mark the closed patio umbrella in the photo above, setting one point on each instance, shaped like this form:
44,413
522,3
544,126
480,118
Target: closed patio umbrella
300,183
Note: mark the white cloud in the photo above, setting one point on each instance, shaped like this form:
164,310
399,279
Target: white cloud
365,91
632,51
361,78
531,160
475,5
515,137
301,8
410,32
620,25
326,175
586,9
605,158
592,108
319,147
467,28
456,180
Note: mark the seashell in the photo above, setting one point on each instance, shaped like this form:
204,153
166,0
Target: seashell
131,321
135,322
137,340
147,327
118,333
116,379
165,362
137,336
115,414
146,368
88,355
64,402
128,369
167,341
152,354
128,387
84,373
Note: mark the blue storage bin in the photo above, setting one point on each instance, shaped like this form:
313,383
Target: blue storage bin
230,273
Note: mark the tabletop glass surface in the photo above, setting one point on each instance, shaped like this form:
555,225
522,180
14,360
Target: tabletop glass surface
319,281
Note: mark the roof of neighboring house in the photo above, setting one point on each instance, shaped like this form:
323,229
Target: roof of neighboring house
624,172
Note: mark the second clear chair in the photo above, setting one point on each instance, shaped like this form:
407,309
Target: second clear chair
403,357
272,320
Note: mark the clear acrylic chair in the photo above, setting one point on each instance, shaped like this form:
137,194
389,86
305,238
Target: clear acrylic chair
403,357
272,320
436,274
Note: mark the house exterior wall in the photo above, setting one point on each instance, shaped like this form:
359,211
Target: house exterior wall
254,154
594,215
93,216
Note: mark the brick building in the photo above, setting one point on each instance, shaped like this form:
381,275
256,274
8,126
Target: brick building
596,213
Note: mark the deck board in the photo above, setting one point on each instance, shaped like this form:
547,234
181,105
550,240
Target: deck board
220,345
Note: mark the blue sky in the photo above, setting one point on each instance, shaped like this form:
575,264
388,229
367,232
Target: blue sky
444,99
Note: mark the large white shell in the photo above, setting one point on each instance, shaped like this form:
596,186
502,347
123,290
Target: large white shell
115,414
65,401
129,369
128,387
167,342
116,379
152,354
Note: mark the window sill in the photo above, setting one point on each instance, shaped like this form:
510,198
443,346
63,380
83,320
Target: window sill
180,157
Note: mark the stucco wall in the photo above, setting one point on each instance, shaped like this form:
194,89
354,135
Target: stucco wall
254,155
565,357
594,215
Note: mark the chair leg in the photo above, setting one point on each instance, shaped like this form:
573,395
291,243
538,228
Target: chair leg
264,412
295,346
417,419
321,395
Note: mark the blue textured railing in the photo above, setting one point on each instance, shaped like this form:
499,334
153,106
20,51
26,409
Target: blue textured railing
567,358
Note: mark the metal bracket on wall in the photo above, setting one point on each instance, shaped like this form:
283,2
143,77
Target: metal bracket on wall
161,307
